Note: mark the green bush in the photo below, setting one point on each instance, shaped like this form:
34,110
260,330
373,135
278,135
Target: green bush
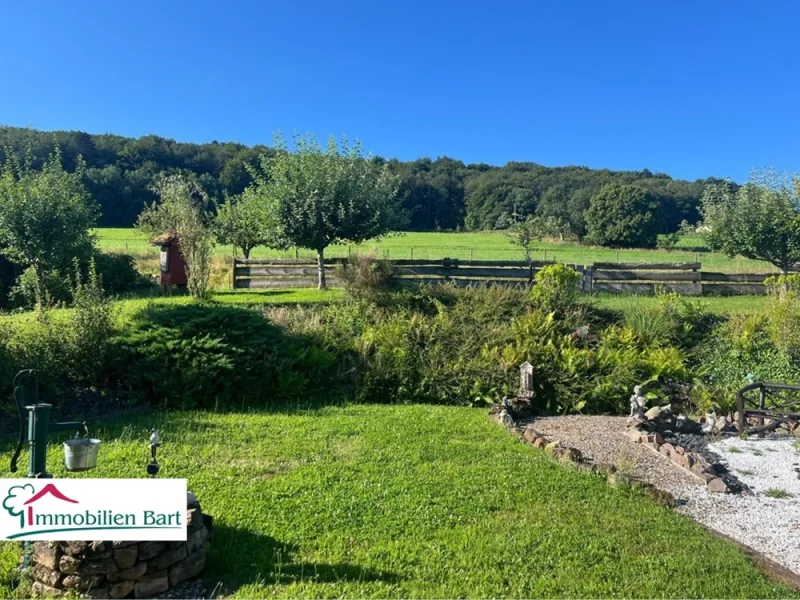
118,272
365,277
556,288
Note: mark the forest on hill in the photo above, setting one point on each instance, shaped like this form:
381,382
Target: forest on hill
440,194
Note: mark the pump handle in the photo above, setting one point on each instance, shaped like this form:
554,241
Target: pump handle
19,395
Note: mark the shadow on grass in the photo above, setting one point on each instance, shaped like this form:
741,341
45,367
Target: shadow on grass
239,557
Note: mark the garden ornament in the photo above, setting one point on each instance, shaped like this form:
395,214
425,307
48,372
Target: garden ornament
80,454
505,418
526,380
153,466
637,404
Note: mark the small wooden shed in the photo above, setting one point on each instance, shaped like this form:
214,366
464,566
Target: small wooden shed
172,267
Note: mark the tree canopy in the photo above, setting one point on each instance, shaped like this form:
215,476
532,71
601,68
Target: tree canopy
444,193
759,220
623,216
318,197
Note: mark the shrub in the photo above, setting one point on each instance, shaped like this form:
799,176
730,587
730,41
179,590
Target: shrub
118,273
365,277
556,288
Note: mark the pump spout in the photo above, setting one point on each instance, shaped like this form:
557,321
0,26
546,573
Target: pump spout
76,426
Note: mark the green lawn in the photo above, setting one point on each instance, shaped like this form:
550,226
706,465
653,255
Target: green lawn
714,304
413,501
467,245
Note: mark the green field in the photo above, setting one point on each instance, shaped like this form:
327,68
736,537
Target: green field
469,245
411,501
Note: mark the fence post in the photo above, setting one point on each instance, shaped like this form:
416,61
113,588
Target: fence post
233,272
296,255
588,279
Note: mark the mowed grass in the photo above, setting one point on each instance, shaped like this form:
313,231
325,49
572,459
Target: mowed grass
714,304
492,245
412,501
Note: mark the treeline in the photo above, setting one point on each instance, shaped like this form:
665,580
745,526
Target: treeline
441,194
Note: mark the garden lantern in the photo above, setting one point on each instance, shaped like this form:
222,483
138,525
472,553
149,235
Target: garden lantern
172,267
35,425
526,380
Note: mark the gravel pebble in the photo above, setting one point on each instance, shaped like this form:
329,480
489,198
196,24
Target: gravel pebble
603,440
769,525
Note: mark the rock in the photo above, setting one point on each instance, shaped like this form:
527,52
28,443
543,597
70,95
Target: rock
550,448
69,564
100,567
718,485
82,582
197,539
606,468
194,518
153,584
189,567
678,459
191,500
698,467
121,589
75,547
135,572
665,449
49,577
643,438
45,555
679,450
653,413
116,545
126,557
530,434
708,477
540,442
655,439
98,592
167,559
40,589
635,435
96,546
148,550
568,454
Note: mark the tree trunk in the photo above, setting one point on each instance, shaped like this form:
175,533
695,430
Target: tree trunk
321,269
245,252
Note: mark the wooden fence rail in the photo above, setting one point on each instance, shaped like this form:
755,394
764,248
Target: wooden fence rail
628,278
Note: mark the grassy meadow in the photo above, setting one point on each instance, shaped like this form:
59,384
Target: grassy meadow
491,245
410,501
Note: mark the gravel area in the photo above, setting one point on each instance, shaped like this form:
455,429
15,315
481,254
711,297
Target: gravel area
766,524
603,440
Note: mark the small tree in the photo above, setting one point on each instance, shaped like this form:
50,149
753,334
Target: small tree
524,232
45,218
180,211
322,197
243,222
623,216
760,220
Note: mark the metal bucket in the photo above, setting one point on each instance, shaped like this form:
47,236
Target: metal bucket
81,454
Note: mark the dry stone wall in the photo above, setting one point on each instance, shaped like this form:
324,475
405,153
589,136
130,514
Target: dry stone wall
108,569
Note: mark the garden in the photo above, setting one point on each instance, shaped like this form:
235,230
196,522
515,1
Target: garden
340,438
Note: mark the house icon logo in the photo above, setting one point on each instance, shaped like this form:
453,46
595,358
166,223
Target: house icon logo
21,498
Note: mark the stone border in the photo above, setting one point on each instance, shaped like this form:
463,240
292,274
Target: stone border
575,459
692,462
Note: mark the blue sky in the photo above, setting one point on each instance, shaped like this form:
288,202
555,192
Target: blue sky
685,87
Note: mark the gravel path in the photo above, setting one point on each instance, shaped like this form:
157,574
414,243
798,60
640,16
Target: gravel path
603,440
768,525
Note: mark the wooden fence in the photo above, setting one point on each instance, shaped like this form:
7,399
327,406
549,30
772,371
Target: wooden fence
626,278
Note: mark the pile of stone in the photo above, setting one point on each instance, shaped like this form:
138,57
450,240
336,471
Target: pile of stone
659,422
107,569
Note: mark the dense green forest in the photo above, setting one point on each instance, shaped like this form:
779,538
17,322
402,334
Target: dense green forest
436,194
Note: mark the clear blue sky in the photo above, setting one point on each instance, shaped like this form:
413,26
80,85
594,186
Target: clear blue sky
691,88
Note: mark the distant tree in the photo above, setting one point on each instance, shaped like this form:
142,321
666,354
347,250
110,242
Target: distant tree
322,197
623,216
245,223
45,218
180,210
759,220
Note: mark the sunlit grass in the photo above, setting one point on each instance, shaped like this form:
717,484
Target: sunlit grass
411,501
